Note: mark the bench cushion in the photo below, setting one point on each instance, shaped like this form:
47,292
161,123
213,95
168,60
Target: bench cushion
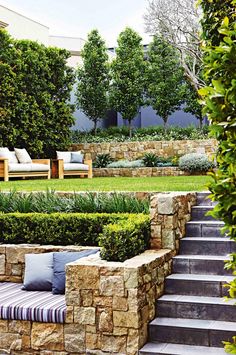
75,166
28,167
38,306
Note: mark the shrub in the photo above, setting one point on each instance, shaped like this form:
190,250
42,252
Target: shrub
150,160
126,164
102,160
50,202
126,239
195,162
128,236
153,133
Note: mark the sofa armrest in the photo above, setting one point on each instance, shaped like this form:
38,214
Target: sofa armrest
41,161
4,168
58,168
90,164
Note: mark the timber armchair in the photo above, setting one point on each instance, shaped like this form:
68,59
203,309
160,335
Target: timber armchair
19,164
71,164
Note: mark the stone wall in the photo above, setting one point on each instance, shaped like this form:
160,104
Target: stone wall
111,303
169,214
136,150
139,172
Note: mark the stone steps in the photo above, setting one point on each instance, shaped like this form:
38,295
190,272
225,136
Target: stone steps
207,246
195,307
197,285
204,229
193,317
200,213
156,348
199,264
192,331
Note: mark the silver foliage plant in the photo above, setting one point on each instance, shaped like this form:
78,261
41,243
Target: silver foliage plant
195,162
178,22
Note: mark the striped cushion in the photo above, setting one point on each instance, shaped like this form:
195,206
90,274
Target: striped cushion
38,306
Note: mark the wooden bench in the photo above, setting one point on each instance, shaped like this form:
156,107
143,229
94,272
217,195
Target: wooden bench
60,170
35,169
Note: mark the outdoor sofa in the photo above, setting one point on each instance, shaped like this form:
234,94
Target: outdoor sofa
18,163
71,163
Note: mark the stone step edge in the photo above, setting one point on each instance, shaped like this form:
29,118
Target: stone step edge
179,349
221,301
201,277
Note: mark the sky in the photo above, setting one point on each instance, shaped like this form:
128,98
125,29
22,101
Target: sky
75,18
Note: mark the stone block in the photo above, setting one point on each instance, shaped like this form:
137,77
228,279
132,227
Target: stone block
2,264
126,319
74,338
7,340
86,298
111,285
113,344
166,204
48,337
131,278
73,298
120,303
84,315
105,322
19,327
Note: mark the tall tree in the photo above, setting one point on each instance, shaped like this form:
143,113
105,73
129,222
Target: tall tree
178,22
164,79
93,79
127,74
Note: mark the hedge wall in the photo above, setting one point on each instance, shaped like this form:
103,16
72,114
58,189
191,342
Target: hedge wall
120,236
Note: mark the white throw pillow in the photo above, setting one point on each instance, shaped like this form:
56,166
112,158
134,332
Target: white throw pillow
11,156
23,156
66,156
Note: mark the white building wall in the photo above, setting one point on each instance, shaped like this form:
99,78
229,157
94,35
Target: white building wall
22,27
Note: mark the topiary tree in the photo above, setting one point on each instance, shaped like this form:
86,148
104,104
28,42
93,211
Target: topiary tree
93,79
127,74
35,87
219,35
165,80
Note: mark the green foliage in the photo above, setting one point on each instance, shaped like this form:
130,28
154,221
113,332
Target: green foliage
121,241
155,133
35,86
51,202
219,35
150,160
127,74
102,160
126,164
164,81
79,229
195,162
93,79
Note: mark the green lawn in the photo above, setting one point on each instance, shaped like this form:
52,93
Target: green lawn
167,183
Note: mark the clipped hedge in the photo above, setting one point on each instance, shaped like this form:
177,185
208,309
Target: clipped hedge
127,236
121,241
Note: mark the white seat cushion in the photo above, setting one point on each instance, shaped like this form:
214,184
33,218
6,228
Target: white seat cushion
12,167
28,167
39,167
76,166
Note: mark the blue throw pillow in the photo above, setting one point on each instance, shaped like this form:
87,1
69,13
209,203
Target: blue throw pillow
38,272
77,158
60,259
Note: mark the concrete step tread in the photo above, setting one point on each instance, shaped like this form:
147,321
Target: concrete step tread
211,223
203,257
201,277
202,207
180,349
198,299
194,324
207,239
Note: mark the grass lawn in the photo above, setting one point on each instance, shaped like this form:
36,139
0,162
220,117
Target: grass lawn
167,183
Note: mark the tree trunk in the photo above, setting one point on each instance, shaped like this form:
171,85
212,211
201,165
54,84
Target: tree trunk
165,119
200,123
130,129
95,127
